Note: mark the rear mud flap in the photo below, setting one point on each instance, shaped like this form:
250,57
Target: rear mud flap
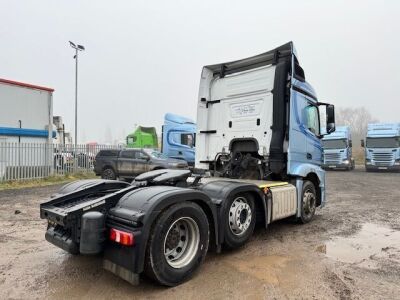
122,272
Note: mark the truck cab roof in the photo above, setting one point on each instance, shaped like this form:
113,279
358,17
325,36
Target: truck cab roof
383,130
177,119
341,132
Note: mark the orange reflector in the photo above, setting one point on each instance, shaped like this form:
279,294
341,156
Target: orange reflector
122,237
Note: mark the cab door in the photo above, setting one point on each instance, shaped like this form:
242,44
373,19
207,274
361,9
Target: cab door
312,124
141,162
126,162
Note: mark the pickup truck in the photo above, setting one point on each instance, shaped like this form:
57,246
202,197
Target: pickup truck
128,163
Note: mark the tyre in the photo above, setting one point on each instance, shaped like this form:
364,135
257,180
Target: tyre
108,173
309,202
178,244
240,220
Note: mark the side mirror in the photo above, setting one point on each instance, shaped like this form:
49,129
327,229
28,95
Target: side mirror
330,118
362,143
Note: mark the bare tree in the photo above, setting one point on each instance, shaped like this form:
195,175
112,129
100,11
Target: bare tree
356,118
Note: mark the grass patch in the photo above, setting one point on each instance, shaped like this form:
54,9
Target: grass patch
56,179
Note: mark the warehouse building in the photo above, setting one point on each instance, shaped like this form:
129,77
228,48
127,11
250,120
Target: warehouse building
26,115
26,112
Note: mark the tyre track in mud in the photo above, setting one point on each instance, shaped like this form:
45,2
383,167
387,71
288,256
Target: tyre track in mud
288,260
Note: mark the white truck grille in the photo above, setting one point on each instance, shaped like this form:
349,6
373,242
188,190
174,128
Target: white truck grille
382,159
332,157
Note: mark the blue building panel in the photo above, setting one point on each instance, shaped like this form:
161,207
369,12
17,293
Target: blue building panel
10,131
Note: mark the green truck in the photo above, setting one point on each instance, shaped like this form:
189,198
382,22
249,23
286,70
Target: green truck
142,137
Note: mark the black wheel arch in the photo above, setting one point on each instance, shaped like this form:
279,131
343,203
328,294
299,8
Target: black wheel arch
108,166
101,184
144,205
314,179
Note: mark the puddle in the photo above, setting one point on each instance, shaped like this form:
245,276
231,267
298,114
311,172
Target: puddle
264,268
370,243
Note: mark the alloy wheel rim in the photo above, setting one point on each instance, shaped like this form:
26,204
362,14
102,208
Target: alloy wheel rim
240,215
181,242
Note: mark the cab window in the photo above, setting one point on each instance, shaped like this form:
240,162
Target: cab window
131,140
187,139
128,154
312,119
141,155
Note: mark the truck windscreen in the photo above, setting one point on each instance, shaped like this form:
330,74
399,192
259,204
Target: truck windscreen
384,142
334,144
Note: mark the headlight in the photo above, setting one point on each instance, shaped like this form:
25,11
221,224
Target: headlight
397,162
346,161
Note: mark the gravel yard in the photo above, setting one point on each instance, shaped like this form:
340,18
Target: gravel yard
351,250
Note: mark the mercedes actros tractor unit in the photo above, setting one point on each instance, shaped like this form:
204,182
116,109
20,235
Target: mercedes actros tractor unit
258,160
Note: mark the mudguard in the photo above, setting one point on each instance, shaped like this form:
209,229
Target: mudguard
220,191
87,183
304,169
137,210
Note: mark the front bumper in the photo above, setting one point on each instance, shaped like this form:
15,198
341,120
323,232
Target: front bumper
371,167
336,166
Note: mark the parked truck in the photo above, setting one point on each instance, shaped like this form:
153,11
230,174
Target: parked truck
142,137
178,138
258,159
338,149
382,147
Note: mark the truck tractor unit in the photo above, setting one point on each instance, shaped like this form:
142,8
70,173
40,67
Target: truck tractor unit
142,137
382,147
338,149
258,160
178,138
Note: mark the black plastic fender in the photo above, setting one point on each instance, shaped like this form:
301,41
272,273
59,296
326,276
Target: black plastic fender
87,183
141,207
222,190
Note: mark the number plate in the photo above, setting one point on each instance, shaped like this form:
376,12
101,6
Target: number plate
382,168
332,166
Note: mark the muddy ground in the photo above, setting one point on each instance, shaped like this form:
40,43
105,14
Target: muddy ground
350,251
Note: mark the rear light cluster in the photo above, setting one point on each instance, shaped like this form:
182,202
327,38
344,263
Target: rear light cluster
122,237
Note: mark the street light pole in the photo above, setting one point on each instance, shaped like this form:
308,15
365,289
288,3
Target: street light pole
77,49
76,97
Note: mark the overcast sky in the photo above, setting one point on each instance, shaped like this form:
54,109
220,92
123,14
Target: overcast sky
144,58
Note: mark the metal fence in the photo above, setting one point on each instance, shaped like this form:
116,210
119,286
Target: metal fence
23,161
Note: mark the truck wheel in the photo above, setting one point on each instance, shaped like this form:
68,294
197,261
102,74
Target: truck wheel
240,220
178,244
108,173
309,202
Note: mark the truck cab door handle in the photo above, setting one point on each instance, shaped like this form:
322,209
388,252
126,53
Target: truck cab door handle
309,156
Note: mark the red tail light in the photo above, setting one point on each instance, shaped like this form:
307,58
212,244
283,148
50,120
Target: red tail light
122,237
